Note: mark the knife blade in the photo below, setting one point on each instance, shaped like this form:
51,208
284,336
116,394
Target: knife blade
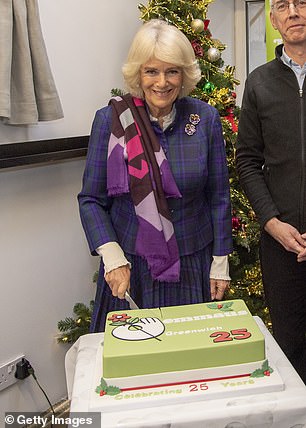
131,302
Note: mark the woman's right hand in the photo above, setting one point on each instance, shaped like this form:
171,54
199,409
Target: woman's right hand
119,280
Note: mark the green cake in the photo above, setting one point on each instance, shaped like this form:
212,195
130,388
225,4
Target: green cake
179,354
216,339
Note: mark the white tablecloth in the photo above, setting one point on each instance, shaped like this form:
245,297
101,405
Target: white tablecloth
282,409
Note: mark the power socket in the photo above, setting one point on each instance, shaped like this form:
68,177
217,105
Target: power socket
7,373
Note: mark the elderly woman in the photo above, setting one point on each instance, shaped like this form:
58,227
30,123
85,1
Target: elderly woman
155,200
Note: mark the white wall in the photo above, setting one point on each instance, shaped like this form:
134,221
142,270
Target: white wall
45,266
45,269
221,15
86,43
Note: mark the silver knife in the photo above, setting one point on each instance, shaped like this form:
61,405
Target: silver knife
129,299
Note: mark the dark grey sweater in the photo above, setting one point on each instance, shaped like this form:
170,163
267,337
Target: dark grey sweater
271,144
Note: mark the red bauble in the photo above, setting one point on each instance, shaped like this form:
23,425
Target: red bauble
198,50
236,223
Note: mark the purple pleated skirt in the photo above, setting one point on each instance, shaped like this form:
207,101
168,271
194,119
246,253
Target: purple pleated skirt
193,287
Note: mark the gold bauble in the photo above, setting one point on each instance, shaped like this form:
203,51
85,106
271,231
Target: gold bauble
217,43
197,25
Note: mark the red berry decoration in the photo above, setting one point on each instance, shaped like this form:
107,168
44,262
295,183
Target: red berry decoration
220,306
102,393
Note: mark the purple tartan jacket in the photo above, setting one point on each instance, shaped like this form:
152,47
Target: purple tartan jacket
198,164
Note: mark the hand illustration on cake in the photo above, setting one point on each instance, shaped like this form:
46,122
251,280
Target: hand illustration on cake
136,328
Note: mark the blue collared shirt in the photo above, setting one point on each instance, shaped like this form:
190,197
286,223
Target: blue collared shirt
299,70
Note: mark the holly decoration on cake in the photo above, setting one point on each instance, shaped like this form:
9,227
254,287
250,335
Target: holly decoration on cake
265,370
221,306
104,389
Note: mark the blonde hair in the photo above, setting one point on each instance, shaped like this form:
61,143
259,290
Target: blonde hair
159,40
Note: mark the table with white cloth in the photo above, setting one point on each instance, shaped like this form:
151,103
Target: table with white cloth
279,409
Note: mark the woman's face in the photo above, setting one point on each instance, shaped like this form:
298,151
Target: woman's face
161,83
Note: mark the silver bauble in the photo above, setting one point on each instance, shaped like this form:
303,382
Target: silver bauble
213,54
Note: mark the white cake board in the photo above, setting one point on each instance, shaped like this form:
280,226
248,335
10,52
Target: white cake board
180,389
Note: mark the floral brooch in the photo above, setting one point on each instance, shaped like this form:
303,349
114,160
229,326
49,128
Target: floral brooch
190,128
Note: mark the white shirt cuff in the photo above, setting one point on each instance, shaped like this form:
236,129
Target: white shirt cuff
220,268
112,256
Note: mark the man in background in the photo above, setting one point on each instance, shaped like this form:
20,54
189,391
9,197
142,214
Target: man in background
271,164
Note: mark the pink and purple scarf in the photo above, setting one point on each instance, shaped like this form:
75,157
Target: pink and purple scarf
147,176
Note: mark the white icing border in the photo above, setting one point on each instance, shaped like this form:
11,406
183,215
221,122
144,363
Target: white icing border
194,387
196,375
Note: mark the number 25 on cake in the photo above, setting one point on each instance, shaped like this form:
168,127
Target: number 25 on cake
156,356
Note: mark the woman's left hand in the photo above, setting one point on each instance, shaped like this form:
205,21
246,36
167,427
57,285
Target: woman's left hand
218,288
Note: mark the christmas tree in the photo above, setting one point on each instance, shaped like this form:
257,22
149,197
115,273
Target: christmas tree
72,328
217,87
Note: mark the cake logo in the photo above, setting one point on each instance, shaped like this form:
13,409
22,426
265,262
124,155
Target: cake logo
128,328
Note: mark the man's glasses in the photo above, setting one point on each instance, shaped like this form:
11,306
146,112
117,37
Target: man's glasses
283,6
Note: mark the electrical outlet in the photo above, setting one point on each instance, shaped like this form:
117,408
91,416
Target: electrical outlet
7,373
